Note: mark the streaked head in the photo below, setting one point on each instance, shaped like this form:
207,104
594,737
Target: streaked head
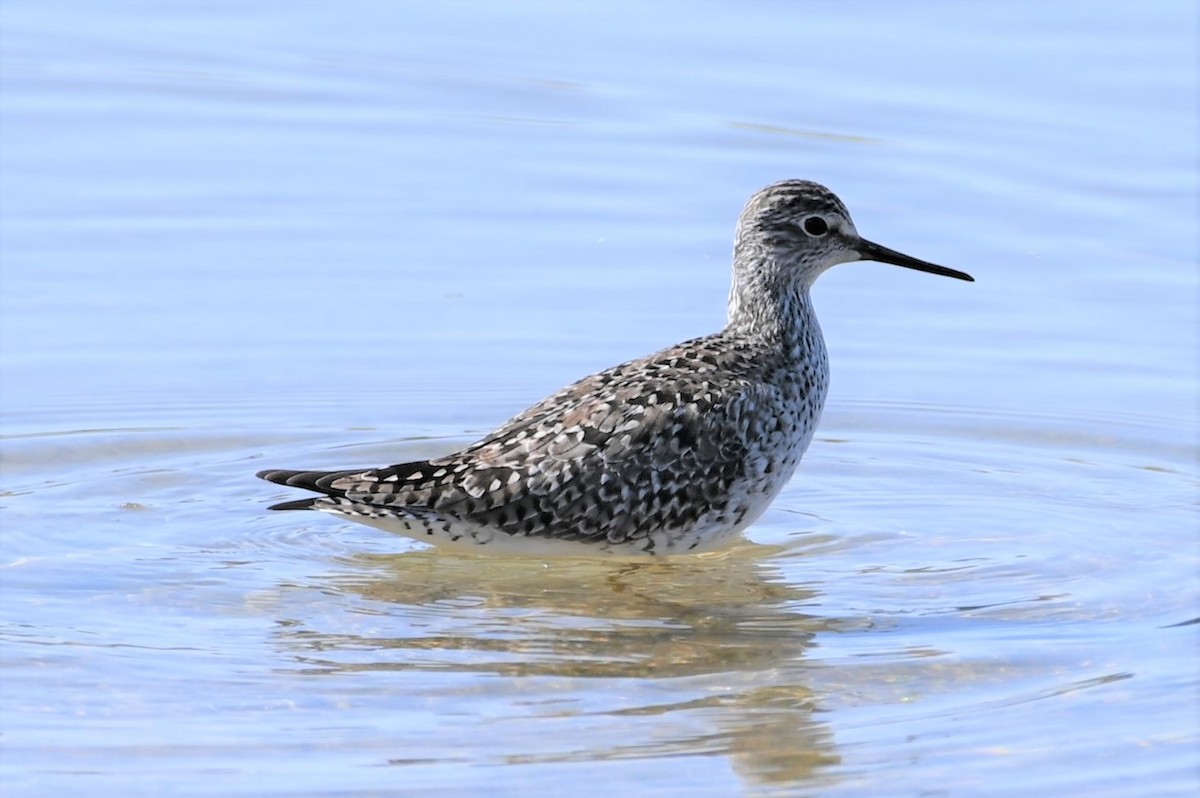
803,227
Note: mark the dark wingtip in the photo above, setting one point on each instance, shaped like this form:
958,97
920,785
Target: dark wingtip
277,475
298,504
319,481
309,480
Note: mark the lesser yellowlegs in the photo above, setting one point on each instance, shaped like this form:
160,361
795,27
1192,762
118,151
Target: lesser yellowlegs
673,453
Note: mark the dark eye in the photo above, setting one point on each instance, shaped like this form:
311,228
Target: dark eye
816,226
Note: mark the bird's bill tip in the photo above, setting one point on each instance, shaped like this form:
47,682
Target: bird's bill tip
869,250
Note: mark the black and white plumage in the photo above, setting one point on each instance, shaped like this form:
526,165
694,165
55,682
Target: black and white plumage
673,453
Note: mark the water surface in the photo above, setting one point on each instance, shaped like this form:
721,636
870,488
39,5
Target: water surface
238,237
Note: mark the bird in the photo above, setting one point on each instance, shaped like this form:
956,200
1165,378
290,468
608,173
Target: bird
673,453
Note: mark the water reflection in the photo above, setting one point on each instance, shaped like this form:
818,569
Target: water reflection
712,648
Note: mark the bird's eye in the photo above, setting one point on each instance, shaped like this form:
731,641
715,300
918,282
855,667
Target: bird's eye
815,226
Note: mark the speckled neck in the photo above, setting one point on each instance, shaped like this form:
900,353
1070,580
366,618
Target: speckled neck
770,302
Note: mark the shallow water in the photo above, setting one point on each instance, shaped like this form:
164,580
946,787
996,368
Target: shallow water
245,237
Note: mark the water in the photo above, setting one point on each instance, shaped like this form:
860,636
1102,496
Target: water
275,235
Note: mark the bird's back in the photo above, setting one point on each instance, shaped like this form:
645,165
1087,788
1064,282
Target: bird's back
670,453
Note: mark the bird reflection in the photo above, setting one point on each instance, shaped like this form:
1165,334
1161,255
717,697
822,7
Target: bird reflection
724,633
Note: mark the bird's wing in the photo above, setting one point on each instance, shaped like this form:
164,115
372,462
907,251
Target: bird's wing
569,460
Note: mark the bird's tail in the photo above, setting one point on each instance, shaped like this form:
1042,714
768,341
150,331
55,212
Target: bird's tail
319,481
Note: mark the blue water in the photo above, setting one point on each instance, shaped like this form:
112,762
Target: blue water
328,235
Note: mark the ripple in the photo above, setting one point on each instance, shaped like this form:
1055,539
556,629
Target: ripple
974,564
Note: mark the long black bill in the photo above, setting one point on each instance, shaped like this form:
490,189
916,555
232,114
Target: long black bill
872,251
